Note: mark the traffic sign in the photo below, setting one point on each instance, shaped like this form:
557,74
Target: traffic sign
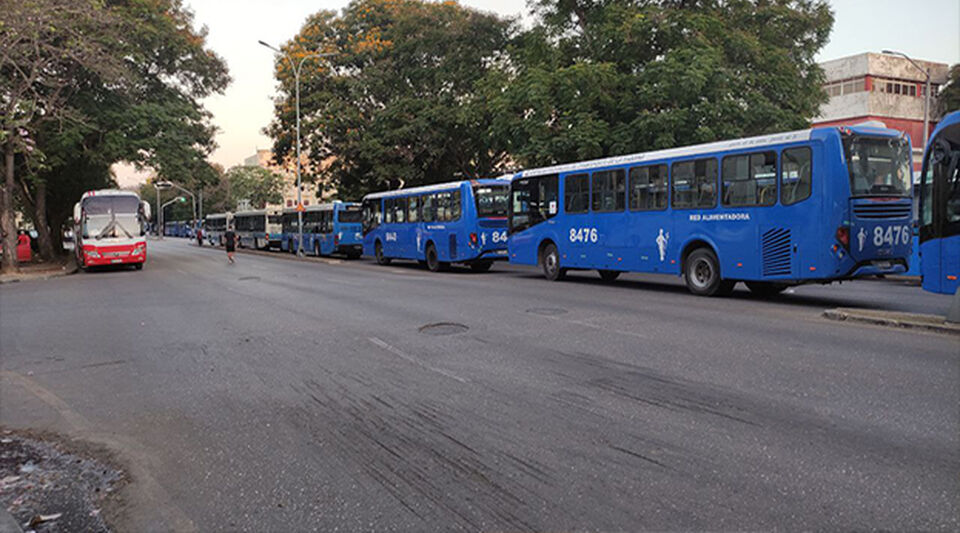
300,208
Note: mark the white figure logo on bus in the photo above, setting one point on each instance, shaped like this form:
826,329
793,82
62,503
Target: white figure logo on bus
861,238
662,241
483,239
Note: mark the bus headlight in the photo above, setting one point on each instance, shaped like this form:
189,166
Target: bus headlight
137,251
93,254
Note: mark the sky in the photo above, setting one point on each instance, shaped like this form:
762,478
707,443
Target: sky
923,29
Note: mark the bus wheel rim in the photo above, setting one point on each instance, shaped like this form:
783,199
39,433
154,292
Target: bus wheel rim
551,261
702,273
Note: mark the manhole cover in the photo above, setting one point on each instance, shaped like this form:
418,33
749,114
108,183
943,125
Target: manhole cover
443,328
547,311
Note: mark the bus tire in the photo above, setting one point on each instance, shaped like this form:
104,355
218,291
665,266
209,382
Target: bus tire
550,259
378,254
481,265
609,275
766,289
701,272
138,266
433,259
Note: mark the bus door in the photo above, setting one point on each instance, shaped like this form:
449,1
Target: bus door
940,210
797,218
650,226
608,203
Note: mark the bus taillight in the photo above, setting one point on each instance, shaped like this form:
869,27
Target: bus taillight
843,237
473,239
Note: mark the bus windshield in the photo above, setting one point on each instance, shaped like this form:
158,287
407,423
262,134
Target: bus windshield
878,166
492,201
111,216
350,214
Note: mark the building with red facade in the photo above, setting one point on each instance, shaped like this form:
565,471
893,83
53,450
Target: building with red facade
881,87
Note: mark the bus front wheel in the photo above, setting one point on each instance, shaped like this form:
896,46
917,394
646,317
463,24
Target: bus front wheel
551,263
701,272
378,254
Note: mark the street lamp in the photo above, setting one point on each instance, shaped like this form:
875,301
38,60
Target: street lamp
160,186
926,95
169,184
162,207
296,79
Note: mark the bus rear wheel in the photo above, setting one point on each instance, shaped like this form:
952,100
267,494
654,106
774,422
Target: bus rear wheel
609,275
481,266
434,264
766,289
550,260
378,254
701,272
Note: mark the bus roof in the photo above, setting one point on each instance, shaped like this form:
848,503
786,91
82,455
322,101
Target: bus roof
437,187
108,192
217,215
707,148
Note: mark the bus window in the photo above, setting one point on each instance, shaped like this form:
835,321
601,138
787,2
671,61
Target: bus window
455,206
750,180
795,175
400,210
371,215
428,207
388,210
878,166
576,193
533,201
648,188
609,190
413,213
491,201
349,214
694,183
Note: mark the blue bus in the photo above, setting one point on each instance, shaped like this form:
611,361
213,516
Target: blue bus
330,228
458,222
773,211
259,229
177,228
939,224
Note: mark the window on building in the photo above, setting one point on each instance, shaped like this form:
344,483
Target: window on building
648,188
576,193
609,190
694,183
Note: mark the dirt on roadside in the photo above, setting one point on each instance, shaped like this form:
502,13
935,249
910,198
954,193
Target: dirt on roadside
51,484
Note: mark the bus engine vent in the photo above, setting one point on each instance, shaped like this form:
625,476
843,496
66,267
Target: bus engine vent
453,246
775,247
883,211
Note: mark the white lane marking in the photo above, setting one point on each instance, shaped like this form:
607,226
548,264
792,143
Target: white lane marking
396,351
152,494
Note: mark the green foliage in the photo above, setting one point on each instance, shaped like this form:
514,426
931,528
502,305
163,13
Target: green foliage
400,104
257,185
594,79
948,99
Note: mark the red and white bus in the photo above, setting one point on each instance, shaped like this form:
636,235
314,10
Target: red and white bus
109,226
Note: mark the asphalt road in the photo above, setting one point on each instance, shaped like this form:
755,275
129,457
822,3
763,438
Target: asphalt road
279,395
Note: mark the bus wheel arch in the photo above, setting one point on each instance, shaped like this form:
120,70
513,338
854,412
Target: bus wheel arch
434,264
701,270
378,253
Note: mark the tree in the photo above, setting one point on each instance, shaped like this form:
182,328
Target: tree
397,105
133,96
594,79
949,97
257,185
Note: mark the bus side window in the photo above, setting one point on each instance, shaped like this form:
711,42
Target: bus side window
413,214
648,188
695,183
750,179
455,206
795,175
608,187
576,193
427,207
548,196
400,210
388,210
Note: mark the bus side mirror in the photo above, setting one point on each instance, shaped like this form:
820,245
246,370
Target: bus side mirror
145,206
77,213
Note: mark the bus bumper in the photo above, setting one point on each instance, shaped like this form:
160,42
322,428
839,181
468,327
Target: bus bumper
114,255
878,268
350,249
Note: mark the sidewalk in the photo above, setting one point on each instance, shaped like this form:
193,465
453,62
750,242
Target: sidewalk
895,319
39,271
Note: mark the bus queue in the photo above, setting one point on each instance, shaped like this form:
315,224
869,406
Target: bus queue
813,206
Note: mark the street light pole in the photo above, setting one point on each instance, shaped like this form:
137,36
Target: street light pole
926,93
162,207
296,80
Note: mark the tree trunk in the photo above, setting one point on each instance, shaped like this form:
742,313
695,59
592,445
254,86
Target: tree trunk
40,222
56,233
8,226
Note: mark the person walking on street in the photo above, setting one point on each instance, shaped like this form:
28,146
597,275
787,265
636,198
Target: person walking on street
199,236
230,243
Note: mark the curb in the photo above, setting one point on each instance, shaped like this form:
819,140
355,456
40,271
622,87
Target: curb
70,268
932,323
